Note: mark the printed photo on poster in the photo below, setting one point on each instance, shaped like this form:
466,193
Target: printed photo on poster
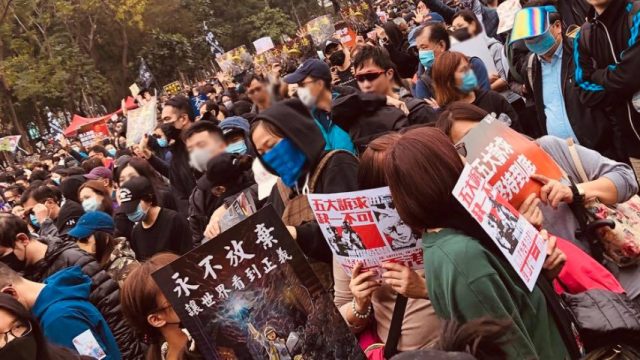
250,294
364,226
520,242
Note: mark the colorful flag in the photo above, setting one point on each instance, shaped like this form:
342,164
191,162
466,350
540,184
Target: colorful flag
9,143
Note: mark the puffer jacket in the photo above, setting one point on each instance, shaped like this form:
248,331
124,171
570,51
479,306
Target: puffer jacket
105,294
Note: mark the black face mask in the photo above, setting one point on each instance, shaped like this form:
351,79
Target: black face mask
23,348
171,132
337,58
12,261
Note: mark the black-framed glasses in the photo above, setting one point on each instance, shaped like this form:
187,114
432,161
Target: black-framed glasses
369,76
18,330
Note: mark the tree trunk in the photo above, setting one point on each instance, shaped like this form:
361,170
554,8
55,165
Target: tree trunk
125,55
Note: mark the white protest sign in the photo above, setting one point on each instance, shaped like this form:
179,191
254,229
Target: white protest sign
507,14
141,121
520,243
263,44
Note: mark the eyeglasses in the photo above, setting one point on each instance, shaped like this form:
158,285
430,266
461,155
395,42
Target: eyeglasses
18,330
369,76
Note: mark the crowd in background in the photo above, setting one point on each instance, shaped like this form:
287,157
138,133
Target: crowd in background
83,228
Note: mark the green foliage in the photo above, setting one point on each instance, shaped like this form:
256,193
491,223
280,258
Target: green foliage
274,23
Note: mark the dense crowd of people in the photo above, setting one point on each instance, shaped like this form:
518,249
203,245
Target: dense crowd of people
84,227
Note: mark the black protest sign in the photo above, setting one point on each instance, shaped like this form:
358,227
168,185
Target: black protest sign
250,294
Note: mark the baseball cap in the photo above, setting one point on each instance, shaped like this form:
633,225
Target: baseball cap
91,222
312,67
330,42
221,170
69,214
234,124
132,191
99,172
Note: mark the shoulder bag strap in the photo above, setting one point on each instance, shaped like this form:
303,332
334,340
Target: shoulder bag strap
323,163
576,160
391,346
530,69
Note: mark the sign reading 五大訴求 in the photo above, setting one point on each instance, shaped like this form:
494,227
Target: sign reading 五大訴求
364,226
250,293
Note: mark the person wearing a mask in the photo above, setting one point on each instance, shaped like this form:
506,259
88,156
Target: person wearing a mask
292,148
24,337
455,80
61,305
111,150
314,91
431,41
340,61
151,314
209,112
391,38
42,206
227,175
94,196
204,141
550,79
157,229
236,130
176,119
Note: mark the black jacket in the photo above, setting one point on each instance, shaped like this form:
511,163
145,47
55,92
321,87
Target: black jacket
339,174
366,116
179,173
607,60
592,126
105,294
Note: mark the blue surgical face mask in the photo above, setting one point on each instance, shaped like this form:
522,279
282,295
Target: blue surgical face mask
469,82
137,215
90,204
56,181
34,220
238,147
162,142
286,160
426,58
112,152
540,45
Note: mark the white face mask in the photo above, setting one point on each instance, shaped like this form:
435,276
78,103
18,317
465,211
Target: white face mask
199,158
228,104
305,96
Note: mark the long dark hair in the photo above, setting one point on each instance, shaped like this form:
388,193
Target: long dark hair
105,243
44,350
97,187
143,168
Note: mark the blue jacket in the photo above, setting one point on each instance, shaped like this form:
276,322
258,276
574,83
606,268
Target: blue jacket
64,312
424,87
334,136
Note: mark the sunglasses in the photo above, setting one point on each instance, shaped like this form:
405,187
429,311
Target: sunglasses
369,76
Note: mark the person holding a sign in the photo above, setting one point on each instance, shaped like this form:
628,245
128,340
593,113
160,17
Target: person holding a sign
291,147
467,277
340,61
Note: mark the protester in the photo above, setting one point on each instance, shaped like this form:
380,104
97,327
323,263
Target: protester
61,305
454,80
314,91
95,197
38,261
156,228
42,206
23,335
453,242
340,62
394,42
610,182
432,40
94,234
235,131
151,314
258,93
559,110
606,57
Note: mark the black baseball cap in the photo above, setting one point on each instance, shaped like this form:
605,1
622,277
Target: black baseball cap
132,191
329,43
222,170
315,68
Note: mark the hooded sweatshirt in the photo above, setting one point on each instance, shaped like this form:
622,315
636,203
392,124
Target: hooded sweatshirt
65,313
339,175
